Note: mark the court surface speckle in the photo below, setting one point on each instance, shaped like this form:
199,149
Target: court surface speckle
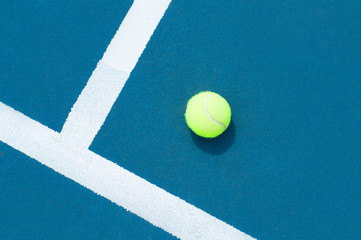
288,167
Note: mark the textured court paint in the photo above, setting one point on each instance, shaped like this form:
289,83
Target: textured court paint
111,181
93,105
49,50
134,33
288,167
67,153
97,98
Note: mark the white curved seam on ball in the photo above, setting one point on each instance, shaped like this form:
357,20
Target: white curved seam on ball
205,109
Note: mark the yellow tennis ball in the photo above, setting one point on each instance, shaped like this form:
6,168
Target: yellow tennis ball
208,114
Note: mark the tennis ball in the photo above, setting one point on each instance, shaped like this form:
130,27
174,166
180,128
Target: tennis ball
208,114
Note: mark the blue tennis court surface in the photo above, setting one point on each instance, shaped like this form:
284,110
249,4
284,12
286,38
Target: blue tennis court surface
288,167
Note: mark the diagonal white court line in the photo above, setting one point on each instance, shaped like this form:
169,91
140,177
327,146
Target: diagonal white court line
97,98
111,181
68,154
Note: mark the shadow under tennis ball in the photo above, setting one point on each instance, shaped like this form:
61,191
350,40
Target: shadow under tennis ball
218,145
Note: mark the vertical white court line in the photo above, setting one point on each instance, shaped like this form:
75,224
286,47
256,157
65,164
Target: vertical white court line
111,181
97,98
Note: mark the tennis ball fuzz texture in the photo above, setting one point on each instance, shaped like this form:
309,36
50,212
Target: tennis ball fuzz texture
208,114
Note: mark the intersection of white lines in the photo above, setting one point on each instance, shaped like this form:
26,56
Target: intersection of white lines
67,152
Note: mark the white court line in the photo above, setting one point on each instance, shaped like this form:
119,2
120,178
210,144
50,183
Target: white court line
97,98
67,153
111,181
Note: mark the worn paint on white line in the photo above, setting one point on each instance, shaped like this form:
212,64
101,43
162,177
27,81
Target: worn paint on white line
111,181
93,106
96,100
